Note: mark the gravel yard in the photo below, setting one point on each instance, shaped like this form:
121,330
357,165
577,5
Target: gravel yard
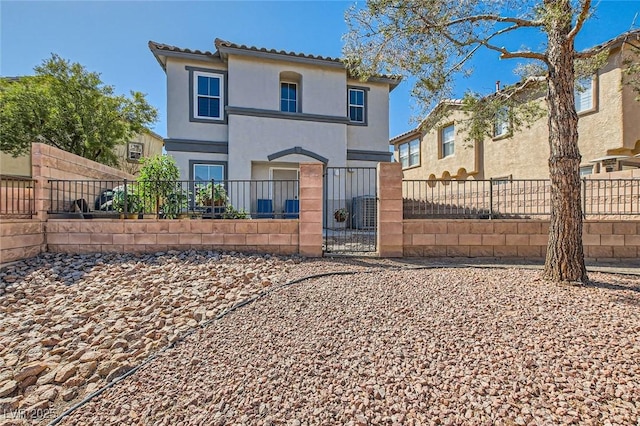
383,346
437,346
71,324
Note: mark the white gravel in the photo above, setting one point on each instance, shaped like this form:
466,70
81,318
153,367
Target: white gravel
441,346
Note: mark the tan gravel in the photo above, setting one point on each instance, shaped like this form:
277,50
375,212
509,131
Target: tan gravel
440,346
70,324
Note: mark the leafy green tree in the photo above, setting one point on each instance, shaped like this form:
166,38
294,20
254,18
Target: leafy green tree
158,182
434,40
68,107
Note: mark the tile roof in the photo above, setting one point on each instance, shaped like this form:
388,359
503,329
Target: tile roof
224,43
158,48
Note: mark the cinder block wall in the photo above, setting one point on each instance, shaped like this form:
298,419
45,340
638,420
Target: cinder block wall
277,236
48,162
21,239
515,238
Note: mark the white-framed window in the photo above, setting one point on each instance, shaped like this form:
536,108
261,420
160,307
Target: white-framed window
586,170
208,172
357,106
447,138
208,99
409,153
583,94
135,151
288,97
501,125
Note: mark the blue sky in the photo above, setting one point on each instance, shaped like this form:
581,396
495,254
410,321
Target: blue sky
111,38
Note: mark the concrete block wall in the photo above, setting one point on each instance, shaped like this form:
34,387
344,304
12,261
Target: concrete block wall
21,239
390,229
515,238
311,184
277,236
48,162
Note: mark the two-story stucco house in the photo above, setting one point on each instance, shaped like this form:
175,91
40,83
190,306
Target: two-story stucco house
608,127
251,113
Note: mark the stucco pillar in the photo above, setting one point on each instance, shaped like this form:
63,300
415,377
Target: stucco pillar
310,231
389,239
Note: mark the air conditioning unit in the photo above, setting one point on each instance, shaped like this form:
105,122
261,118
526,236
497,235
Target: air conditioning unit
364,212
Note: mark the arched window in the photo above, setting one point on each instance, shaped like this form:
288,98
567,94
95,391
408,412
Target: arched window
290,91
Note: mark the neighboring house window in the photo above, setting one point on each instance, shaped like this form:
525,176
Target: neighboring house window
586,170
288,97
447,139
134,151
208,99
583,94
410,153
501,180
357,105
208,172
501,125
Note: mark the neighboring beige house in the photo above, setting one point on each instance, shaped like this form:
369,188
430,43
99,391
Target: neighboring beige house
142,146
129,154
609,134
251,113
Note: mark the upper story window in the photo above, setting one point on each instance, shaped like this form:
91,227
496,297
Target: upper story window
584,94
208,96
357,105
409,153
501,125
447,137
288,97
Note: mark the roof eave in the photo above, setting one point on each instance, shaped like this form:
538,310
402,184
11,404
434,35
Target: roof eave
227,50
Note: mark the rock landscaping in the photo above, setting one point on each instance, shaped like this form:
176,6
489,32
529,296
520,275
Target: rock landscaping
441,346
70,324
384,346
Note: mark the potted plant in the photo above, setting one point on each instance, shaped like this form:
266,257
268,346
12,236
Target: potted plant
341,215
230,212
211,195
176,203
127,202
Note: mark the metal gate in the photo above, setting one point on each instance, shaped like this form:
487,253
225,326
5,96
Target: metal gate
350,210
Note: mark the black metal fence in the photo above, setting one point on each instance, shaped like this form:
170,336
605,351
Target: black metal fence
17,197
226,199
524,198
350,210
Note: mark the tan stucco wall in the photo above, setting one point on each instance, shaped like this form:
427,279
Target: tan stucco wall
631,114
15,166
612,127
152,146
464,154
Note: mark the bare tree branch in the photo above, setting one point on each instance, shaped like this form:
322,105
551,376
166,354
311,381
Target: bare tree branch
495,18
582,17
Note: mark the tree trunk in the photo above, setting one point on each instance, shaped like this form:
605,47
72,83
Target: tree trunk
565,255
